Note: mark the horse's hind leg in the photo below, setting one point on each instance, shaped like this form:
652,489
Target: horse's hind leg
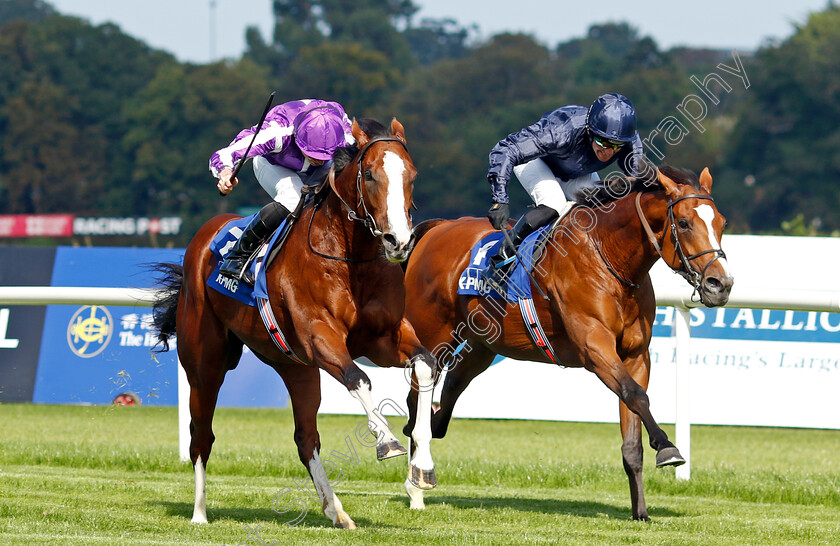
304,386
206,355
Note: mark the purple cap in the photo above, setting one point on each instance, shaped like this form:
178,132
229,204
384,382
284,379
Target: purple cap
318,132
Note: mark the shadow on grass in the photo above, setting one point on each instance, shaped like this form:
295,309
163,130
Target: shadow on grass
546,506
313,518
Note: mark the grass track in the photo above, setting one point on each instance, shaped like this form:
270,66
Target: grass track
104,475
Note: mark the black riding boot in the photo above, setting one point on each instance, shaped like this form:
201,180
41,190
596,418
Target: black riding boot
260,228
527,224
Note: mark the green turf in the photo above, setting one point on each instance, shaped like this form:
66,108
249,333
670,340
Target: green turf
105,475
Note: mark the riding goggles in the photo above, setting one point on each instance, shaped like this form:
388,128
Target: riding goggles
607,143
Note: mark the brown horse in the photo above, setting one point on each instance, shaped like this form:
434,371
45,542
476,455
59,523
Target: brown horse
601,304
335,294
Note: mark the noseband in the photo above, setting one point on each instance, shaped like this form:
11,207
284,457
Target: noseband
694,278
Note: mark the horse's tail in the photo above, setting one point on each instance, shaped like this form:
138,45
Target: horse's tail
419,230
166,303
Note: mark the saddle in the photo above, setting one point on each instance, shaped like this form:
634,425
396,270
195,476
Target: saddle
510,284
264,255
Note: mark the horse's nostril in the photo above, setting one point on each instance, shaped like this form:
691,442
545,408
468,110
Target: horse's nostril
713,284
390,239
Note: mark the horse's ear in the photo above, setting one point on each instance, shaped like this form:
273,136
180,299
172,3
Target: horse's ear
398,130
359,135
669,185
706,180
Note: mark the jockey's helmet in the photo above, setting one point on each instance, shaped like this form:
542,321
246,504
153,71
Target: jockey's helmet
613,117
319,131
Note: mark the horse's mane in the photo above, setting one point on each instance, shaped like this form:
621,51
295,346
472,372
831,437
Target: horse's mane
642,184
344,155
681,176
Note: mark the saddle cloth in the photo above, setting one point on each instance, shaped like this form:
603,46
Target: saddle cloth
221,245
518,285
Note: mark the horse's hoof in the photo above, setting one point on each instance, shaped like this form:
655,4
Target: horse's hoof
669,456
389,449
422,479
345,524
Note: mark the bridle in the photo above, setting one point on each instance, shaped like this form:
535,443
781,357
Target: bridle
367,218
694,278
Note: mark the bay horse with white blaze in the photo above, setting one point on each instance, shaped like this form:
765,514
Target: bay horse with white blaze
337,292
600,308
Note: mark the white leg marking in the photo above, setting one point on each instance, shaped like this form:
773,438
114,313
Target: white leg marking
415,496
378,425
329,501
397,217
707,214
200,508
422,433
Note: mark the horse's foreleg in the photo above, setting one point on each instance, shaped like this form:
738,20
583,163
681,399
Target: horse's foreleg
424,372
604,362
458,377
304,388
330,353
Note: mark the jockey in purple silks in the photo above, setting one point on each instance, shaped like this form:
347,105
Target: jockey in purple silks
557,160
295,145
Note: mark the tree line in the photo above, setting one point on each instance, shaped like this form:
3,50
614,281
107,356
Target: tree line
95,122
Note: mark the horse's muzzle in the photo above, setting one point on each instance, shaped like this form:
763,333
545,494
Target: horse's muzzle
715,289
395,251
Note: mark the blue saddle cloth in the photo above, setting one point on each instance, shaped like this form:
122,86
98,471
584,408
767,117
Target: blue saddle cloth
471,283
221,245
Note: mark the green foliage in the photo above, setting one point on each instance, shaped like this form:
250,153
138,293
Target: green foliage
788,132
93,121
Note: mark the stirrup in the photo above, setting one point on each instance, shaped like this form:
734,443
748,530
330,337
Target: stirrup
488,275
238,270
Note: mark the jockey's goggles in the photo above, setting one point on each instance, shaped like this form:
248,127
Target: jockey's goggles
607,143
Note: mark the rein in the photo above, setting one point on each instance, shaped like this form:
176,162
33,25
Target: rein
694,278
367,220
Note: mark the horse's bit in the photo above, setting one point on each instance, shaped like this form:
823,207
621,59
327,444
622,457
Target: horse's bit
694,278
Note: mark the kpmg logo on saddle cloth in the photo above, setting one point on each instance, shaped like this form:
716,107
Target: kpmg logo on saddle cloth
90,330
221,245
471,283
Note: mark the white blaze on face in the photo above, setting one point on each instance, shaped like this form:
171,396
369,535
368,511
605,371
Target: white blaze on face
707,214
397,218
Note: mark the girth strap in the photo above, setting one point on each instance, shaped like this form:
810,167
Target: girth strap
274,331
535,329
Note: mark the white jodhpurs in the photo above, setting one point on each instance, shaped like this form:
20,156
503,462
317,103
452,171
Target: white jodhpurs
281,183
545,189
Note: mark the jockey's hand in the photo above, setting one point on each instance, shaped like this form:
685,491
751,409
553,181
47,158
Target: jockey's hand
226,183
499,214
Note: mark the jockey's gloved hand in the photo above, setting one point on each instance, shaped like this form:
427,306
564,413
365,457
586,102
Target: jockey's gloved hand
499,214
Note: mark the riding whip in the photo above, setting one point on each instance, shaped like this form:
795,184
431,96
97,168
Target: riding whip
241,162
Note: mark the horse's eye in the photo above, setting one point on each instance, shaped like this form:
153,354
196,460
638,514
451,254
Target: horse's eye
368,176
683,223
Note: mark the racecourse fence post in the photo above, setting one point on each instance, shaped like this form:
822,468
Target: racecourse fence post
682,420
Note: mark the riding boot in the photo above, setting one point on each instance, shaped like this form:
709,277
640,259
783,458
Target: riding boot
527,224
235,264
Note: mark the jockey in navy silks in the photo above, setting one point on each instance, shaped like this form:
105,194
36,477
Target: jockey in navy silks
295,144
557,160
